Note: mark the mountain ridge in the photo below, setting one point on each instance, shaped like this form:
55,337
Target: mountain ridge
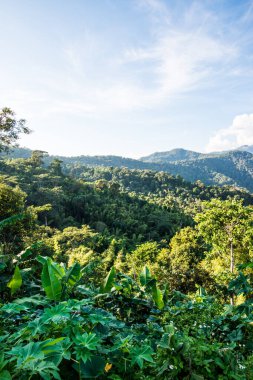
217,168
177,154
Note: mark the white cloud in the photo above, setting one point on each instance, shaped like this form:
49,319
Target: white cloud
154,5
157,9
177,60
239,133
96,77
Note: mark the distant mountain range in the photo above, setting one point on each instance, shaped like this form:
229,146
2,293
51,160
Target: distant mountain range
183,154
222,168
231,167
246,148
171,156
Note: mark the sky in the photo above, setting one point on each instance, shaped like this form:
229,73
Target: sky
129,77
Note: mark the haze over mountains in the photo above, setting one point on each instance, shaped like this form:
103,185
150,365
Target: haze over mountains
233,167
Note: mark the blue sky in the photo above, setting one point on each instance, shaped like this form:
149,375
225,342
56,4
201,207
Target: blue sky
129,77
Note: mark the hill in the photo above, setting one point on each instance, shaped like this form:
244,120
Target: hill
233,168
171,156
78,258
246,148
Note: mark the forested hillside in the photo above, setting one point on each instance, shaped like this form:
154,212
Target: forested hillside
116,273
171,156
225,168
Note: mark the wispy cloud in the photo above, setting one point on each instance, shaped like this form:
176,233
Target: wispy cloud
150,59
248,14
177,60
157,9
239,133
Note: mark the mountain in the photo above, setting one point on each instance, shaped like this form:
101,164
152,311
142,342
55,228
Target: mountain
114,161
17,152
224,168
232,168
246,148
170,156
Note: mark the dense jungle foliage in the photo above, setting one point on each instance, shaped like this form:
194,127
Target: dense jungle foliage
220,168
113,273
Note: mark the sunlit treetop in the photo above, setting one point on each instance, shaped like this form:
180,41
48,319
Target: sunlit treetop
10,128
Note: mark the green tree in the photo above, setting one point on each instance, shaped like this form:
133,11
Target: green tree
55,167
10,128
227,226
11,201
186,252
37,158
144,254
12,212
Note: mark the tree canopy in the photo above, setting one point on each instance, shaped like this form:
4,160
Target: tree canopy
10,128
121,274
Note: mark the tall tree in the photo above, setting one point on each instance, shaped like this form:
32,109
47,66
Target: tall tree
228,227
10,128
186,252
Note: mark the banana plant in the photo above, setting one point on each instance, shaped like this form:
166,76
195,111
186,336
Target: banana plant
16,281
150,285
147,281
11,220
56,279
109,281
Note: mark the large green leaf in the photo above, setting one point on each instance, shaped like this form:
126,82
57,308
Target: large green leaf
40,358
53,350
11,220
58,269
5,375
108,282
141,354
29,353
51,277
85,344
157,296
167,337
73,274
37,299
56,314
149,282
15,283
87,340
23,255
13,308
42,259
93,368
145,276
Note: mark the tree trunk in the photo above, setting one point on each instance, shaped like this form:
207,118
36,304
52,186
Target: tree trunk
232,266
232,259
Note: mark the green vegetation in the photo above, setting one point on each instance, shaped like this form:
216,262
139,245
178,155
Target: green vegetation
233,168
113,273
10,128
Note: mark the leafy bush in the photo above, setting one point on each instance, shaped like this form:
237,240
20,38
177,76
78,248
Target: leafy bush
125,329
